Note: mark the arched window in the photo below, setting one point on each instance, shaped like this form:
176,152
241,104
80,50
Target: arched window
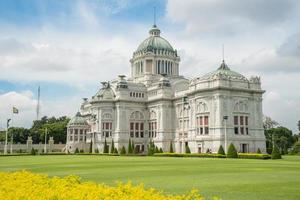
241,118
202,119
136,125
183,119
152,124
106,125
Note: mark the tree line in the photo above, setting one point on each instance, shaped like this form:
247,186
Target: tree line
56,128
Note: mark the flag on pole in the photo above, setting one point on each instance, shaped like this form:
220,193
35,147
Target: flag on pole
15,110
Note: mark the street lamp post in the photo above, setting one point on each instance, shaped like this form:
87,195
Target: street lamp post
5,146
225,118
45,146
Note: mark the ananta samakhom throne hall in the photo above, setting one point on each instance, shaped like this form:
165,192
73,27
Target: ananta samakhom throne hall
157,104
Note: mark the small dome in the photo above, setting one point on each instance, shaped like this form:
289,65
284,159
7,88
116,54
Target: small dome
155,42
105,93
78,120
223,72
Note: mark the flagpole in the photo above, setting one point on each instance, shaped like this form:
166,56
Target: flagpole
12,134
7,126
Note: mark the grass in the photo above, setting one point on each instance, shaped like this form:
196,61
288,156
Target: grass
240,179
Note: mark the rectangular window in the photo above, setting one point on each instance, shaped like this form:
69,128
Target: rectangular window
241,120
236,120
236,130
206,120
201,122
131,126
201,130
246,121
247,131
206,130
242,130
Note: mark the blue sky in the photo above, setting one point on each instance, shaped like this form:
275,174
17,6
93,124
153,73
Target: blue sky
68,47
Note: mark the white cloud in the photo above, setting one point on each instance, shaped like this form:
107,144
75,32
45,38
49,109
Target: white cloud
261,38
23,101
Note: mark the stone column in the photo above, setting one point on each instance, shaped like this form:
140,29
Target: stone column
51,144
29,144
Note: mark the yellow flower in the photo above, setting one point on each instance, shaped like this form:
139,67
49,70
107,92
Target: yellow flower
24,185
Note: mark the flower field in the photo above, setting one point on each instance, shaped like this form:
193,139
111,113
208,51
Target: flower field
26,185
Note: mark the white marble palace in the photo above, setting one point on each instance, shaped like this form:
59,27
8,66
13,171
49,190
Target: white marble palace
157,104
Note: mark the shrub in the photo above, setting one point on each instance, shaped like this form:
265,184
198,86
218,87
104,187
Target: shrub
171,148
187,149
81,151
96,150
112,147
151,148
275,153
258,151
76,151
133,147
123,151
33,152
156,150
221,150
105,147
254,156
70,187
116,151
232,153
200,155
160,150
91,147
129,147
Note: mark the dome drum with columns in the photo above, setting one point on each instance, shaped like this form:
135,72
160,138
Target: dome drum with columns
157,104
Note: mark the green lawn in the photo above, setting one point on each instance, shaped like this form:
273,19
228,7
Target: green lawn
227,178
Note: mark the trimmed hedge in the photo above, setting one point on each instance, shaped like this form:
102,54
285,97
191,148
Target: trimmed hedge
232,153
254,156
200,155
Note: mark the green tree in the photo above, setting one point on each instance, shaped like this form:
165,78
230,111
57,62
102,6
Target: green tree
296,148
96,150
275,153
123,151
280,136
187,148
221,150
232,153
116,151
171,148
105,148
156,150
133,147
91,147
151,148
76,151
258,151
112,147
57,128
160,150
129,147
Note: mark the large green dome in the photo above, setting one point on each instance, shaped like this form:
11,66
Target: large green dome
155,42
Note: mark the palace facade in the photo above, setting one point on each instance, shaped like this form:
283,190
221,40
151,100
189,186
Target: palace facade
157,104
